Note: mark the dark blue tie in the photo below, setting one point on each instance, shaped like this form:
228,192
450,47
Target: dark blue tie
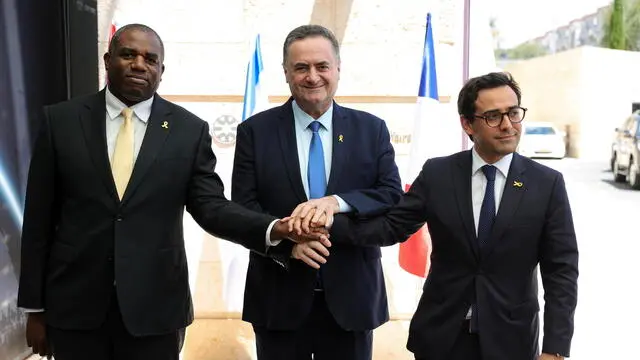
485,224
316,175
488,209
315,171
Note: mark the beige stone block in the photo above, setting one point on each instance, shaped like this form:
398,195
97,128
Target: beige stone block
390,341
216,339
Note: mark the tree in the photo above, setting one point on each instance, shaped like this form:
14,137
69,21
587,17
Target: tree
615,34
632,25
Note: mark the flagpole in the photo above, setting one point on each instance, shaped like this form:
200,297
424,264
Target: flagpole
465,56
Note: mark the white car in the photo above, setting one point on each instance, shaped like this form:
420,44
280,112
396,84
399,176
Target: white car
542,140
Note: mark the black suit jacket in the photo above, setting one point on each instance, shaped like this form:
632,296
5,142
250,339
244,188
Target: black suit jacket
266,177
78,237
533,227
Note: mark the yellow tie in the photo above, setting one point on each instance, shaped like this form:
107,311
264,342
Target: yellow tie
122,164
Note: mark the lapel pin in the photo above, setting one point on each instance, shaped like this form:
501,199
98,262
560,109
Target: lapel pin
165,124
517,184
340,138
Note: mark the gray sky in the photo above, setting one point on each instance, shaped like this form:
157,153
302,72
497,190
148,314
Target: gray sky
521,20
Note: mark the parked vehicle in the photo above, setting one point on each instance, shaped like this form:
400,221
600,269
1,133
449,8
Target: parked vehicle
625,152
542,140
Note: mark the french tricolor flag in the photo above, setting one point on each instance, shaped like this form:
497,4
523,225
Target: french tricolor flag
414,253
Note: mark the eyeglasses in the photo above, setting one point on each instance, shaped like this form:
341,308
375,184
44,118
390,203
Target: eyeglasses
494,118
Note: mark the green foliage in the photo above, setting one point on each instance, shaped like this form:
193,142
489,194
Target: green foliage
630,28
615,30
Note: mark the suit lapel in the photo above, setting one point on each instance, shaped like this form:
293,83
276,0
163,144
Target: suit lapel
289,147
462,180
340,153
158,128
511,197
93,122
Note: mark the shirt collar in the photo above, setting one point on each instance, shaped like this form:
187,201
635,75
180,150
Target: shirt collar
502,165
303,119
115,106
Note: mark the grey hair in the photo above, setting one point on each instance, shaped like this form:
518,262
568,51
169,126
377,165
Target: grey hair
306,31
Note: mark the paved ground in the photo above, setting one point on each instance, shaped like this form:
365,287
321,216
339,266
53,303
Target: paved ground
607,220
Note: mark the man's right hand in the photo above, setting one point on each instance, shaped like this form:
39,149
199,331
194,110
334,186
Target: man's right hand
306,225
37,334
317,212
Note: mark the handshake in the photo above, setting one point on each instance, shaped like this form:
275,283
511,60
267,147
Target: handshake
308,226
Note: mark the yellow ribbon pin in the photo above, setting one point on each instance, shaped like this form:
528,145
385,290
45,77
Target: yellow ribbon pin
517,184
340,138
165,124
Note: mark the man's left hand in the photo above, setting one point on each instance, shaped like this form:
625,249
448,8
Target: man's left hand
545,356
312,212
312,253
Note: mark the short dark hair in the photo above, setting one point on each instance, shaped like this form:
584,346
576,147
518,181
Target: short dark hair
115,40
469,92
306,31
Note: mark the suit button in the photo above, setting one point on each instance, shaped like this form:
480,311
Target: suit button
119,219
110,259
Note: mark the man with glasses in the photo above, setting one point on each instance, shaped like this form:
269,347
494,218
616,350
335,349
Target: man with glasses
494,216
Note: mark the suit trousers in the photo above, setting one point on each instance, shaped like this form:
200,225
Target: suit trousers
112,341
320,335
466,346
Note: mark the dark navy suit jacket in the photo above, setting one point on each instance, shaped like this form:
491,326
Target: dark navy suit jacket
266,177
533,227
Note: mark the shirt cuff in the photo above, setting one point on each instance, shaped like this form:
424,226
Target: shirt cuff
32,310
268,235
344,207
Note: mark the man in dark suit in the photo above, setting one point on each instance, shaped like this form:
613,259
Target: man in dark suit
104,271
494,217
312,148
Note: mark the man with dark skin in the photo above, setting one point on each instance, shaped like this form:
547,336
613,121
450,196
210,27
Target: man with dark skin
104,271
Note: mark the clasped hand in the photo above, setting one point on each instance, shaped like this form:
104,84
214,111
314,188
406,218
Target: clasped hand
308,226
316,213
311,221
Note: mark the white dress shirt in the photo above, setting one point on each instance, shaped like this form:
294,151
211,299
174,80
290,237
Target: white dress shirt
479,182
141,114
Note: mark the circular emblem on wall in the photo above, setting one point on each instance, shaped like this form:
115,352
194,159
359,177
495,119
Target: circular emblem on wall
223,130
